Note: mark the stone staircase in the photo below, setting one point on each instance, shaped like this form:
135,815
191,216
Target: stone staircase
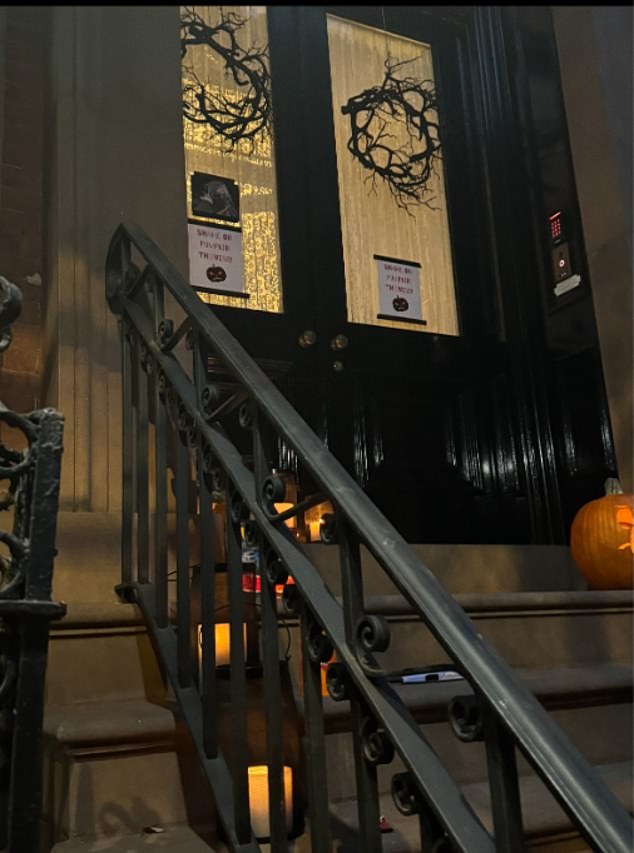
120,772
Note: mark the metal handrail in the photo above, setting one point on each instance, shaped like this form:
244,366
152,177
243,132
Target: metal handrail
511,714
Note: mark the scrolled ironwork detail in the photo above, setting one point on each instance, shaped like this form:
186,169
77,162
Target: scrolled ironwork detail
273,491
405,794
145,358
291,599
239,509
338,681
465,718
372,633
245,416
162,384
10,307
319,646
274,569
209,399
376,745
165,333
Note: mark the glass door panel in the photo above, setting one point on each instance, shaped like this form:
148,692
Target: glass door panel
229,157
396,246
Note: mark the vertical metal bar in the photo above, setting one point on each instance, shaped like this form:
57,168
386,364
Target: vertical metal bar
366,773
25,786
273,709
315,748
160,476
183,618
160,509
128,458
240,748
207,638
271,661
503,783
44,507
142,475
207,683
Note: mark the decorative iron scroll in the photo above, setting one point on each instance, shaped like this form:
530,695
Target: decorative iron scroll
29,487
377,118
244,116
10,307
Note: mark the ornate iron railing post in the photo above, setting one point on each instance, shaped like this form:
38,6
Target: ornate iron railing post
33,476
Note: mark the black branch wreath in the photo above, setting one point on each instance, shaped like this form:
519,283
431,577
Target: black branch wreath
406,167
249,114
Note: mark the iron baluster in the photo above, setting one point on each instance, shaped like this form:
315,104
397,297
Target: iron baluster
315,744
183,604
366,773
207,683
160,469
160,510
503,782
271,663
239,741
142,475
128,476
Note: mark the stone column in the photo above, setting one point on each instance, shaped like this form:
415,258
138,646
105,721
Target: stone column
603,203
114,152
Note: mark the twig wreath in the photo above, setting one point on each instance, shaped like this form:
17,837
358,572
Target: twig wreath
244,116
406,167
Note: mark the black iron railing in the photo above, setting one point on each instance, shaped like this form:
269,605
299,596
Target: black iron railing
30,479
169,339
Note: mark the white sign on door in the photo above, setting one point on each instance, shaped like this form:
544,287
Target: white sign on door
215,259
399,290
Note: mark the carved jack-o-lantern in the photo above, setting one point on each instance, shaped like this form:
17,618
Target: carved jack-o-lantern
602,539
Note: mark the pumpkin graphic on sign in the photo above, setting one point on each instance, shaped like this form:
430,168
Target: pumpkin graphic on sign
400,303
216,274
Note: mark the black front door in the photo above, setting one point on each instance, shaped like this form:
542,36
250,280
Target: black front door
410,339
427,417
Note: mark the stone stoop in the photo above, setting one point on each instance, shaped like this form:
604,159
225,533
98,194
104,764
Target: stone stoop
120,773
115,756
572,647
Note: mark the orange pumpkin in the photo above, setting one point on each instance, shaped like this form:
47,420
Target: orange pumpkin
602,539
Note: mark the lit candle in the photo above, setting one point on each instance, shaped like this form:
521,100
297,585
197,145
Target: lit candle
259,799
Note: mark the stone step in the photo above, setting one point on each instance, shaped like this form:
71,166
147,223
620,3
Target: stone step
546,826
467,568
530,630
101,651
110,768
174,839
557,688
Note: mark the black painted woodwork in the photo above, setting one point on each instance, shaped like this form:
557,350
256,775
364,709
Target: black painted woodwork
498,435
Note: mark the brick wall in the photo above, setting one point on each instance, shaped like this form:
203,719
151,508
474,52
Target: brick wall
23,58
